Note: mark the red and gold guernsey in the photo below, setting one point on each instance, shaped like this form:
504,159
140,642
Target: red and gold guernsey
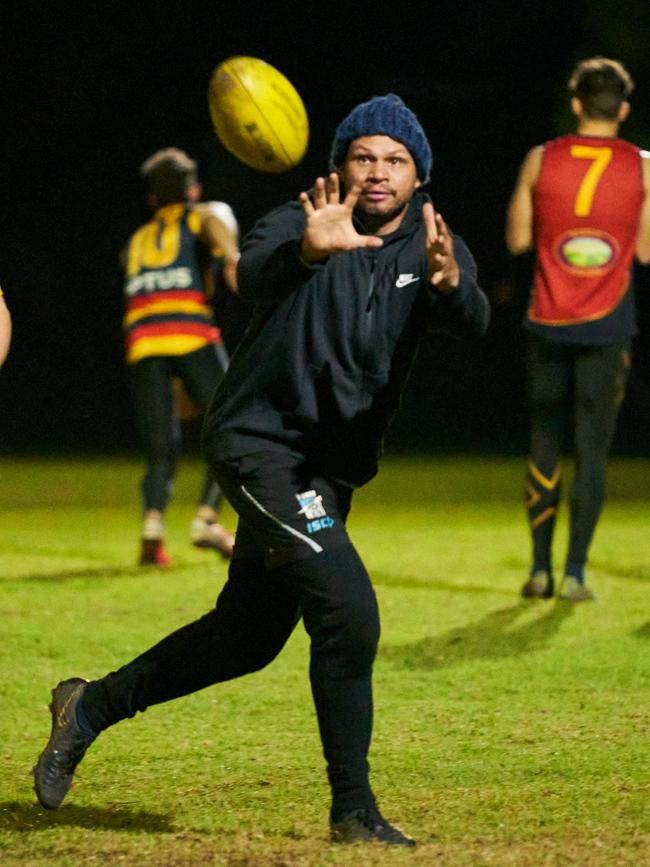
587,203
167,312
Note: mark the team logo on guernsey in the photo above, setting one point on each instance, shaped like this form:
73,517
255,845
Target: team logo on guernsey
587,251
158,281
311,506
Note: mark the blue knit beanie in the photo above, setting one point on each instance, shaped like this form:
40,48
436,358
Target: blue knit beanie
383,115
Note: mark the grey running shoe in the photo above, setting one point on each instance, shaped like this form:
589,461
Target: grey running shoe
66,747
538,586
210,534
574,591
368,826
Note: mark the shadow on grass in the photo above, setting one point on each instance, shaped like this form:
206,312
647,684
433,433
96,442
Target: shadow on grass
406,582
495,636
24,818
98,572
643,631
632,573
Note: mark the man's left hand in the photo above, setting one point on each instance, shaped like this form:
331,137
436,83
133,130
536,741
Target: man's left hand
444,272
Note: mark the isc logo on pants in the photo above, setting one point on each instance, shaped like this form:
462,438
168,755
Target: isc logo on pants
311,506
320,524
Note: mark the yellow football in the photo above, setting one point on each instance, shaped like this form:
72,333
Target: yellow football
258,114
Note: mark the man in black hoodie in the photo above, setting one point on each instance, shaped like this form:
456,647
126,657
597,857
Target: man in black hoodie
344,284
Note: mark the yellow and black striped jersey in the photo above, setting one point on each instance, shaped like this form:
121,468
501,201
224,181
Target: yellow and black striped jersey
167,312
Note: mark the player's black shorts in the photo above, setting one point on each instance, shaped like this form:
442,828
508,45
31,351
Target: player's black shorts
591,380
287,510
151,381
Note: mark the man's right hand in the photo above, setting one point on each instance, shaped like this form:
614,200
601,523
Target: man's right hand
329,222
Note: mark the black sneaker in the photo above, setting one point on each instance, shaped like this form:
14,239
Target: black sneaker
66,747
368,825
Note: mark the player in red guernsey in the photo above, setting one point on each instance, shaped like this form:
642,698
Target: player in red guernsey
582,202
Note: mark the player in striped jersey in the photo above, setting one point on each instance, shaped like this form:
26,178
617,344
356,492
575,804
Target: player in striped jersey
170,334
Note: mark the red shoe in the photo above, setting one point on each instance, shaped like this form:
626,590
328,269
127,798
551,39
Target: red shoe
153,553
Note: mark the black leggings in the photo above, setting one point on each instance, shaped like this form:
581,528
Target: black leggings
255,614
586,384
158,422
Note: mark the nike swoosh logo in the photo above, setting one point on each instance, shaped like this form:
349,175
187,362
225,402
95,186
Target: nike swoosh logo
405,279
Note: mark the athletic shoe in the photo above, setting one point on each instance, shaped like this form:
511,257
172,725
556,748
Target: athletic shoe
210,534
153,528
575,591
368,826
153,553
66,747
538,586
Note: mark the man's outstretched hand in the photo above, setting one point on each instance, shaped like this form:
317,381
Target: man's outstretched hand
329,222
444,272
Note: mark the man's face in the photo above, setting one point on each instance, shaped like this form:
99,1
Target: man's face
386,173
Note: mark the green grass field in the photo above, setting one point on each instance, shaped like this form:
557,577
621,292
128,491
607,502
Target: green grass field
507,732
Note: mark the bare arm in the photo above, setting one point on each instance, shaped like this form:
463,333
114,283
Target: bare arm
5,330
643,239
216,233
519,226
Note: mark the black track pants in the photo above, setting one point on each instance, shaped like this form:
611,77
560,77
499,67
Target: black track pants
279,573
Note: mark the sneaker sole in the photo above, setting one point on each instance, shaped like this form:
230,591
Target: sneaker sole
208,546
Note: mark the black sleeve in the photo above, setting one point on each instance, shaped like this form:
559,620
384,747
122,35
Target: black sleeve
270,265
465,312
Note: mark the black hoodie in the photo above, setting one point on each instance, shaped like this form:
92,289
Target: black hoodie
328,351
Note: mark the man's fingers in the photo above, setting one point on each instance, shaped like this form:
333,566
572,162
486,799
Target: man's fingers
370,241
441,226
333,189
320,198
429,217
352,196
307,206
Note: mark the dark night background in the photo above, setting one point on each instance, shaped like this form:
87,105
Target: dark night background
92,89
